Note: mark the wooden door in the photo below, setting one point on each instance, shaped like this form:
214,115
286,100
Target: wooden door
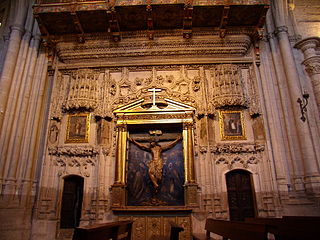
240,195
71,202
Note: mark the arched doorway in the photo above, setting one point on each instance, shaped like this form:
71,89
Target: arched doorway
240,195
71,202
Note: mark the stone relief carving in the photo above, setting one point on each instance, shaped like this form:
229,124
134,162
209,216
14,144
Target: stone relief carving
231,154
227,88
74,158
53,133
101,91
59,94
237,148
83,90
312,65
254,109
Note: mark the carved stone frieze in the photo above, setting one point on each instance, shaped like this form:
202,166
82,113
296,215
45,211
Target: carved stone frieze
73,159
74,151
237,148
166,46
228,87
231,154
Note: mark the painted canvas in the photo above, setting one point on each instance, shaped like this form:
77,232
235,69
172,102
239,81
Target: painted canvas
78,128
232,125
141,188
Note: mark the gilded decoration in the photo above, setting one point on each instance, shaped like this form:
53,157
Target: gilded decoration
232,125
78,128
155,155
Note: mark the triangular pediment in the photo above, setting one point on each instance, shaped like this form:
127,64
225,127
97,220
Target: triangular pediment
165,106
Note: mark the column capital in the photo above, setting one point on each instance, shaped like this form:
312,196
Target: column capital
18,28
312,65
308,46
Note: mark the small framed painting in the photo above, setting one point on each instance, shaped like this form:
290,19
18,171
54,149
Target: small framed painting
232,125
78,128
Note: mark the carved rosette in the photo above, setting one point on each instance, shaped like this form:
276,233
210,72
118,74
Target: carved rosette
231,154
83,90
74,159
228,89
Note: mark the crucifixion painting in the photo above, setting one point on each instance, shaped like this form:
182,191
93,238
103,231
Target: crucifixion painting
155,171
156,164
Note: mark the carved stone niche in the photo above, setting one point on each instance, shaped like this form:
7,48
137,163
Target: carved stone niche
228,89
83,91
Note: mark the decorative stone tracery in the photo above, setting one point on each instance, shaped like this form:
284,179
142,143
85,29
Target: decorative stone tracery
228,88
231,154
83,90
74,159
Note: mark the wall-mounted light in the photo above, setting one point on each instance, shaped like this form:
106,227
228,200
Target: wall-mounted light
303,105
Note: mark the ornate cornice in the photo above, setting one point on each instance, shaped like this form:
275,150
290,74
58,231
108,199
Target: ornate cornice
235,45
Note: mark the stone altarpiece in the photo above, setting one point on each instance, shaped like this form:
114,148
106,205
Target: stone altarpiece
200,79
118,101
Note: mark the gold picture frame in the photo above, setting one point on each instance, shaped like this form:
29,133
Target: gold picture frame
232,125
78,128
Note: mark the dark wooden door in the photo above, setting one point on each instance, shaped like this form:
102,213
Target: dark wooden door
240,195
71,202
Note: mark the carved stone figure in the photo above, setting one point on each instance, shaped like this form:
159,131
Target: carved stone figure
53,135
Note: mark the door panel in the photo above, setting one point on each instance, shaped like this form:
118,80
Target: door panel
240,195
71,202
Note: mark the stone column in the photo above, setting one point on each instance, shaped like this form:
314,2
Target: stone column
9,67
304,137
311,62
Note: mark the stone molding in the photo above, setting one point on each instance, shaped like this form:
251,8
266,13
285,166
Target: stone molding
233,45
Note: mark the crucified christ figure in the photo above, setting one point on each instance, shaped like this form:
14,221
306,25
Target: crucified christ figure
156,164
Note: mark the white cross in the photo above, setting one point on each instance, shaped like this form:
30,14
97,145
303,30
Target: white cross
154,90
